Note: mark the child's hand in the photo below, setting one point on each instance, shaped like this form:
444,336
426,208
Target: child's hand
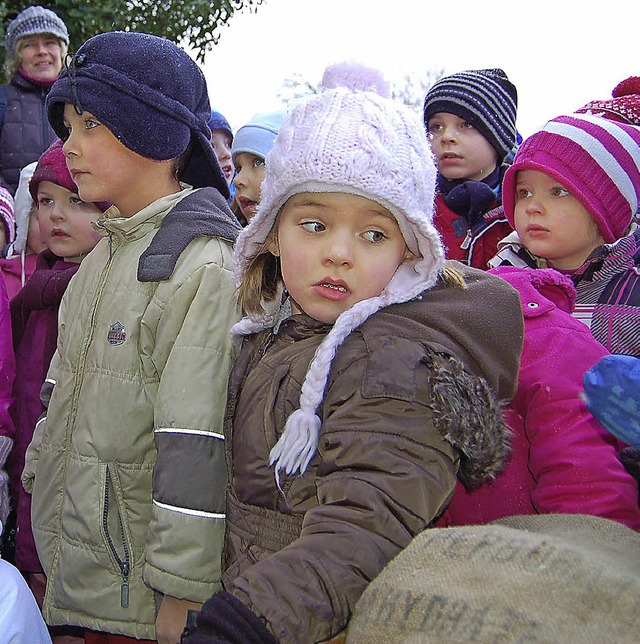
172,618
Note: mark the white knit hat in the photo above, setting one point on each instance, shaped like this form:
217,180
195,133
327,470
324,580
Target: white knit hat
350,138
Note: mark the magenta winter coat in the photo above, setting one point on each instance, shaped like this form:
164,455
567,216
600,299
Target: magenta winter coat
34,317
563,460
7,365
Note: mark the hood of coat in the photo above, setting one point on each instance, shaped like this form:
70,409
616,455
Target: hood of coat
481,325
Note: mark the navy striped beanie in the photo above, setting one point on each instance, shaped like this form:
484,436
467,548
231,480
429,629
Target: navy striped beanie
485,98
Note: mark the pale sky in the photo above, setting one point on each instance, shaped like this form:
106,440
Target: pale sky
559,53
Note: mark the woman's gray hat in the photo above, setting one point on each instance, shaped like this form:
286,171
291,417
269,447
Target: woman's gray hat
33,21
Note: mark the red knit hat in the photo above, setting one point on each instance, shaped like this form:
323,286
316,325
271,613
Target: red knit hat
52,166
623,107
596,159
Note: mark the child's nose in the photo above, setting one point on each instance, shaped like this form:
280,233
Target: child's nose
56,213
339,250
533,204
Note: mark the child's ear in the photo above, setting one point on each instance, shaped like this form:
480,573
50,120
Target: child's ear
273,246
408,255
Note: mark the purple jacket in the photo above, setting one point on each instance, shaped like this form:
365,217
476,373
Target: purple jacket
34,317
7,364
563,460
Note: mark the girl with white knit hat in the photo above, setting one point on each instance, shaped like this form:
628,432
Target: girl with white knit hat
370,373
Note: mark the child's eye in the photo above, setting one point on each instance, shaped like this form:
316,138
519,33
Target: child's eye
374,236
560,191
76,201
466,126
313,226
523,193
44,201
258,163
435,127
89,124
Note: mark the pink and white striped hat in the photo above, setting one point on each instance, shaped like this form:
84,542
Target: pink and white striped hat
596,159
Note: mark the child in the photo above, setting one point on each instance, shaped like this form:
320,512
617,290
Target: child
353,404
222,139
572,194
127,471
562,460
251,145
20,619
471,122
65,222
7,375
19,257
7,220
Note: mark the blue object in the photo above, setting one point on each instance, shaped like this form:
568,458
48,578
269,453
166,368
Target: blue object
612,394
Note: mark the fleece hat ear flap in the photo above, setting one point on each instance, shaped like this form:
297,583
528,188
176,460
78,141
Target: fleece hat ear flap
158,111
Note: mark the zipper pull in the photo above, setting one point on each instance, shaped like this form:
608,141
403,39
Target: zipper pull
467,240
124,588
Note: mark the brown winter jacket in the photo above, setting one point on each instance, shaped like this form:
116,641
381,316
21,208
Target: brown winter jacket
406,406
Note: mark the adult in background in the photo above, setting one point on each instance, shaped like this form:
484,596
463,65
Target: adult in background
36,44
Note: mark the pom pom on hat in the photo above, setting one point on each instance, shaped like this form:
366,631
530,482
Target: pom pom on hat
596,159
33,21
624,106
349,139
356,78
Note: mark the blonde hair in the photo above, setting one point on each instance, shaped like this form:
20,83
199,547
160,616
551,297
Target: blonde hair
261,279
13,60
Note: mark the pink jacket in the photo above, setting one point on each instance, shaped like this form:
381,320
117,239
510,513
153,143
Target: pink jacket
7,365
563,460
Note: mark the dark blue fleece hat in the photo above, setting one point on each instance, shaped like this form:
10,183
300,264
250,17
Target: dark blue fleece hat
219,122
149,93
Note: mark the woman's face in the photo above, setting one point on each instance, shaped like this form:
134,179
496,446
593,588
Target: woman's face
40,56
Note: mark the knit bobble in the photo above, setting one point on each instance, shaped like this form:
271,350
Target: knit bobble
627,87
355,77
297,445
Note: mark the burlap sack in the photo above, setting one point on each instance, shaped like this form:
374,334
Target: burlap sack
547,578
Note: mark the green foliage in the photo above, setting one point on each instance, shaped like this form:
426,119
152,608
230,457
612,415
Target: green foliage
195,23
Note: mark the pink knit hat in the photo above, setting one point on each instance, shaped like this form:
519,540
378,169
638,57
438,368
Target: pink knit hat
624,106
596,159
52,166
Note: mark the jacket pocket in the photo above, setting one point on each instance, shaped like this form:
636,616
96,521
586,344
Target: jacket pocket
114,530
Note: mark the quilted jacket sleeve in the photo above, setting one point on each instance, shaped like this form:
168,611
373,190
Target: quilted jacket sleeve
193,355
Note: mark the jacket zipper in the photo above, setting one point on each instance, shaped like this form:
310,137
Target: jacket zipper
123,564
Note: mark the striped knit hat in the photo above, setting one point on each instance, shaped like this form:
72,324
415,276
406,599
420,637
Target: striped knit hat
350,138
33,21
485,98
596,159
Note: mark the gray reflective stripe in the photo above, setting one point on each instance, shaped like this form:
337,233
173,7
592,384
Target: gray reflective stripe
189,511
194,432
